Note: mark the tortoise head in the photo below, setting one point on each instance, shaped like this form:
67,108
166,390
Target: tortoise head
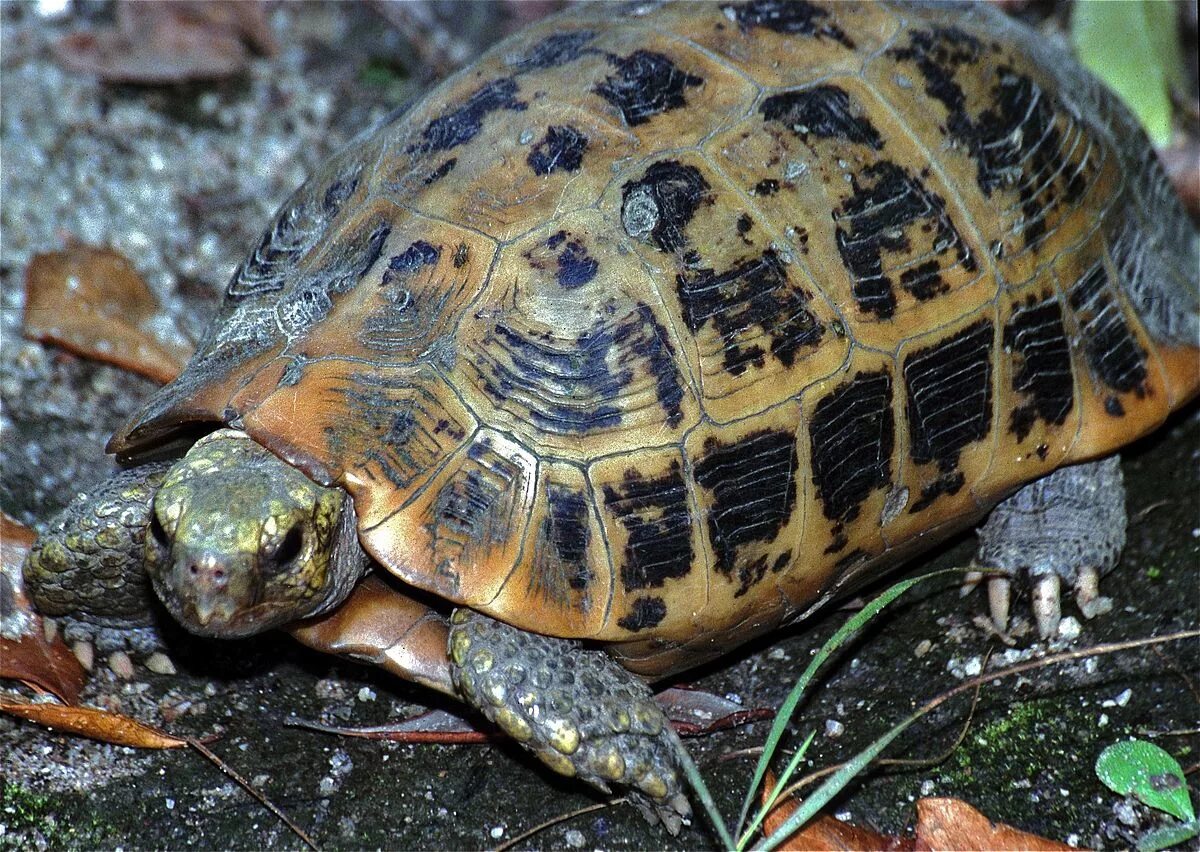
240,541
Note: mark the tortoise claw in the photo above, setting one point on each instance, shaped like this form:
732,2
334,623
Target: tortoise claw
999,590
1047,604
1087,593
121,665
85,652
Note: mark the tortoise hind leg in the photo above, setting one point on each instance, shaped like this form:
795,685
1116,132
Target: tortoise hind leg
1067,526
577,709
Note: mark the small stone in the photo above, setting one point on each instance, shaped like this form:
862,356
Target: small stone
366,694
834,728
1120,700
497,832
574,838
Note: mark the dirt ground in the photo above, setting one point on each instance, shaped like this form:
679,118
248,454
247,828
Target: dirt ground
181,179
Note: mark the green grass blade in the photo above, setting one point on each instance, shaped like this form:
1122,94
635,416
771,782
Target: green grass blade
833,785
780,786
852,626
692,773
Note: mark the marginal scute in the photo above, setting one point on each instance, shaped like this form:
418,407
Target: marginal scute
852,437
652,529
749,486
379,431
463,531
563,569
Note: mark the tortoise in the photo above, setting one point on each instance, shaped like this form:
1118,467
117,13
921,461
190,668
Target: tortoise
654,329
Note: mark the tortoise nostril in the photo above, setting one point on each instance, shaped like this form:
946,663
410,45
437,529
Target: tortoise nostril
194,570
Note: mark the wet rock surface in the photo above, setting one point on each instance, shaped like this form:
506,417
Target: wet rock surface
181,181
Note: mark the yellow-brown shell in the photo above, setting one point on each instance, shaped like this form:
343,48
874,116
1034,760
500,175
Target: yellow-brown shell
657,325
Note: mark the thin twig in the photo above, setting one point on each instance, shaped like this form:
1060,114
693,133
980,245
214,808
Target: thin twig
1141,514
553,821
245,785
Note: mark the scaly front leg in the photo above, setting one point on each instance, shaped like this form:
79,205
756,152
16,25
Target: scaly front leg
87,570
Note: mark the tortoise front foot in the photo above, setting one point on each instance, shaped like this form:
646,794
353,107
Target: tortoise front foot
576,709
85,574
1067,527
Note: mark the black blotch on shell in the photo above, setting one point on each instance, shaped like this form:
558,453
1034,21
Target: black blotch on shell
753,487
646,84
463,123
644,613
1112,352
562,148
789,17
556,50
826,112
949,404
1042,374
852,436
659,206
657,518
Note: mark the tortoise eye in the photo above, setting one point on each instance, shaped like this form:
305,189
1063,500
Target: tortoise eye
290,547
159,533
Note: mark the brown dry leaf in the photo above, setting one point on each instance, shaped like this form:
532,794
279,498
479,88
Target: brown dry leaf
953,824
25,654
95,724
170,41
824,832
91,301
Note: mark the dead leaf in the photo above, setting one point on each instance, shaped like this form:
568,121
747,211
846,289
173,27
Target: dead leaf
824,832
92,723
697,712
435,726
91,301
170,42
953,824
943,824
25,654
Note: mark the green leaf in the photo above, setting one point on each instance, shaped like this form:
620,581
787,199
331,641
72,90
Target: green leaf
1146,771
1133,46
1167,836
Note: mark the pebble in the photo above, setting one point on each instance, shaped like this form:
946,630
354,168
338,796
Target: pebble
575,839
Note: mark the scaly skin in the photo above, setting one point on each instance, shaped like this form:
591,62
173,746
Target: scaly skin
86,567
1067,527
575,708
244,542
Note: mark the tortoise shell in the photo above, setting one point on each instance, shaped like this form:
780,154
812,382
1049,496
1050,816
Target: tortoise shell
658,325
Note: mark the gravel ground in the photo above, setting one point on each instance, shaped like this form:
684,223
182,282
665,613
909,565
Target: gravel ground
181,179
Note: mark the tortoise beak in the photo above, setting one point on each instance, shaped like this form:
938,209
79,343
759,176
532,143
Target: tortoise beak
212,595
